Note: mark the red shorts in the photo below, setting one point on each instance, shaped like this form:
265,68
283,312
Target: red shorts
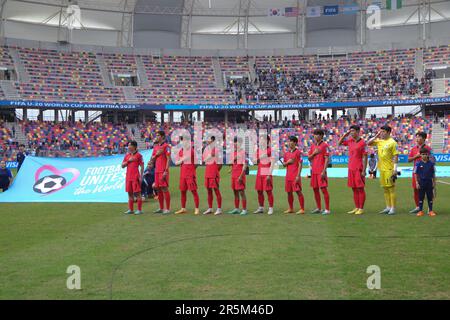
188,183
238,185
133,186
292,186
318,182
212,183
161,181
262,184
355,180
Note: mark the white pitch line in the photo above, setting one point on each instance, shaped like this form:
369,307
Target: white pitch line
443,182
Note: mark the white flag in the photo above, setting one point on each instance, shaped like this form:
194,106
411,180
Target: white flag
275,12
313,12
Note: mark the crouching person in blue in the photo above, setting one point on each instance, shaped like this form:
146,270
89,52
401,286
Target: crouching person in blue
147,182
425,173
5,176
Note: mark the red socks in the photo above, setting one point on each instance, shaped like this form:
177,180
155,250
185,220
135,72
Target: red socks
261,198
131,204
161,200
317,198
218,197
196,199
139,203
270,197
359,197
356,197
301,200
362,198
236,201
291,200
183,199
167,198
210,198
326,197
244,204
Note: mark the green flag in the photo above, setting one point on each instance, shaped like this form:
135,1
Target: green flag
393,4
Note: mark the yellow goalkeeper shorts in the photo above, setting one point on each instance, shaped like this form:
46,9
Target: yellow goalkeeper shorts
386,178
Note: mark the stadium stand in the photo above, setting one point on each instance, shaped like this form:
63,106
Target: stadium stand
8,146
234,66
180,80
76,76
120,63
80,140
436,55
63,76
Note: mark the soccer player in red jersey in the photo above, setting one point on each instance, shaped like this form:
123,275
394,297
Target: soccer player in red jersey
264,181
161,158
212,176
134,163
357,164
414,156
293,182
318,156
188,176
238,180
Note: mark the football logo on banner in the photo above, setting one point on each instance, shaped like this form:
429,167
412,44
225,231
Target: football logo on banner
55,182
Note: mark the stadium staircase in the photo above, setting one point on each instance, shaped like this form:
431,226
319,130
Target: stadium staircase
218,76
418,63
130,95
22,74
251,68
136,136
20,137
438,88
9,90
143,79
437,138
103,70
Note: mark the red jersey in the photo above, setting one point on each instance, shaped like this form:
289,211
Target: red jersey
264,161
238,163
133,167
292,169
356,151
318,162
161,160
212,168
416,150
187,169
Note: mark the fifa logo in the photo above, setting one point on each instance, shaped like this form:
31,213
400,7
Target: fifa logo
73,12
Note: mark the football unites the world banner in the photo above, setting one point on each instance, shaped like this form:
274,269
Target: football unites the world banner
100,179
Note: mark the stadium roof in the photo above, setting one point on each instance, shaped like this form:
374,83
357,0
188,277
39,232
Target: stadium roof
212,16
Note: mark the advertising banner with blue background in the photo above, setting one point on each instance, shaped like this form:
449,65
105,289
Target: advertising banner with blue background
256,106
100,179
330,10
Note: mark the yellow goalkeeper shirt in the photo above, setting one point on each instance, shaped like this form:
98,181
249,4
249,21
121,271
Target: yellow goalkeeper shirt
387,149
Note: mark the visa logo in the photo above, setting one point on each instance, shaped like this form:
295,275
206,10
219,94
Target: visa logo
442,157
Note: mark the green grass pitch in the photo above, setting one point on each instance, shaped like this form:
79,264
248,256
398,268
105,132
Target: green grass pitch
227,257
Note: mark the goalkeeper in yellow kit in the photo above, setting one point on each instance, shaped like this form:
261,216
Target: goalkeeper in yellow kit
387,164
